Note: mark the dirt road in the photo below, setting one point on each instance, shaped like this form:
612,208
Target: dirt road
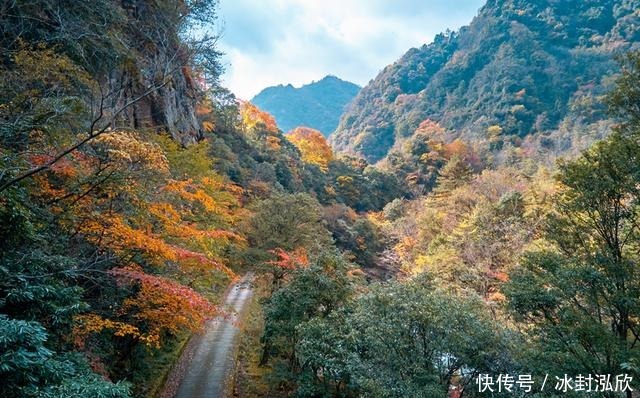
211,357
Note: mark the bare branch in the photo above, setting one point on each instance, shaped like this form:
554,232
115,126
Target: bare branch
91,136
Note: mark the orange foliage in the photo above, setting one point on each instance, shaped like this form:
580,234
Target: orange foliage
290,260
114,233
498,275
63,167
162,305
198,192
435,136
404,248
174,226
274,143
464,152
314,147
203,260
177,227
208,126
115,193
120,237
253,118
431,128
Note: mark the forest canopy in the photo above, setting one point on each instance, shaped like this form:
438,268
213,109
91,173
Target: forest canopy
137,195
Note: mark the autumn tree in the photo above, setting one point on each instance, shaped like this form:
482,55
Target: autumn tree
284,264
86,190
152,314
253,118
419,158
454,174
313,146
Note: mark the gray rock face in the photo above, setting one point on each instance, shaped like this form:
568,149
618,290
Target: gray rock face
169,103
156,81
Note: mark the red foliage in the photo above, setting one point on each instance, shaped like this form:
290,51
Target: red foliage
162,305
290,260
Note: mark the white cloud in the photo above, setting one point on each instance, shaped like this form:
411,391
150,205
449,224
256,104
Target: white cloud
297,41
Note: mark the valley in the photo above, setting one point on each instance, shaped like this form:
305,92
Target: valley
465,222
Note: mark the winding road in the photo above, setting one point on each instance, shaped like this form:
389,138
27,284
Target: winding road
212,356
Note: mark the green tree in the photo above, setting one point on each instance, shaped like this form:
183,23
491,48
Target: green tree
582,292
29,369
624,100
315,291
288,222
403,340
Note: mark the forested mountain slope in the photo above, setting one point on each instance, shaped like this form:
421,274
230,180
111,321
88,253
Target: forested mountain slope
318,105
528,67
134,189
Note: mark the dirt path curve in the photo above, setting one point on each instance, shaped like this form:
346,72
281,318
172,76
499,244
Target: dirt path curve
208,363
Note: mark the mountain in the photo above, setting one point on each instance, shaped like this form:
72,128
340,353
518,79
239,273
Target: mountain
527,67
317,105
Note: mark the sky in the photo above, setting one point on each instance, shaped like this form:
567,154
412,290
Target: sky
271,42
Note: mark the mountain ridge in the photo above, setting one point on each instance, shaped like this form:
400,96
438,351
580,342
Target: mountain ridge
518,65
318,104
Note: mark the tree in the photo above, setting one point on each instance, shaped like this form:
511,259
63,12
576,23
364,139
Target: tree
288,222
624,99
407,339
454,174
313,291
581,293
286,263
87,192
153,312
313,146
29,369
355,235
254,119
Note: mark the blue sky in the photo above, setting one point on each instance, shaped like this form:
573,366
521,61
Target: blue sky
270,42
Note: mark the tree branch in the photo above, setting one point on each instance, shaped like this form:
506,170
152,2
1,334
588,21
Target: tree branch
79,144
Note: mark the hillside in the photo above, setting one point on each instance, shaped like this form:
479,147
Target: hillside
134,190
317,105
527,67
159,235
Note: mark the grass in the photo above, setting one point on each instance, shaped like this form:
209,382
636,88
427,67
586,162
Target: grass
250,379
157,364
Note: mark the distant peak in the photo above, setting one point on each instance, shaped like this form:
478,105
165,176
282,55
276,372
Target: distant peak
318,104
331,77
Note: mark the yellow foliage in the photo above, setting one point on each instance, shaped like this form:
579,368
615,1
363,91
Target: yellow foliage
312,145
50,68
494,131
127,149
87,324
253,118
